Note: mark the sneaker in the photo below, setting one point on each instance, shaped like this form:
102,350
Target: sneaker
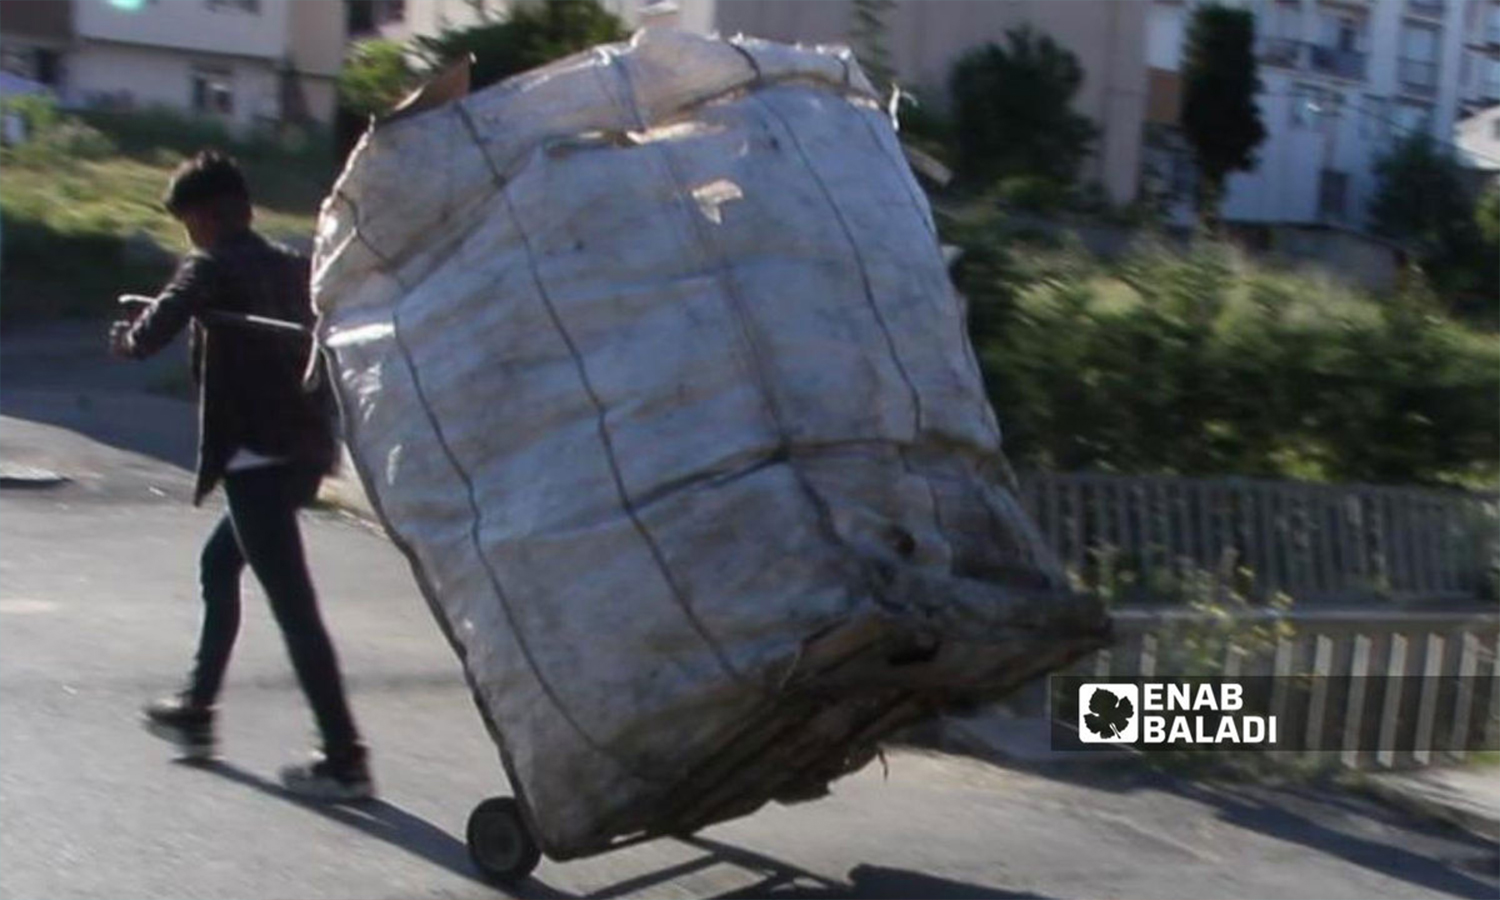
180,721
337,781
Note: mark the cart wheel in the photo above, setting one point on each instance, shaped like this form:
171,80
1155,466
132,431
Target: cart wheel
499,843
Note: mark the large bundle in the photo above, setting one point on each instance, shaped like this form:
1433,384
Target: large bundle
651,364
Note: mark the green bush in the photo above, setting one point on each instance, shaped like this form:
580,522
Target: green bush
50,134
1031,193
375,77
532,35
1199,363
83,185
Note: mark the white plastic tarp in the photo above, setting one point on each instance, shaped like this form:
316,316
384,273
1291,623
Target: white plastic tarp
650,359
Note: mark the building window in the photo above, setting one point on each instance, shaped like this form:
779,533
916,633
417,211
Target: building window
47,66
213,91
1418,69
1333,192
39,64
244,6
16,61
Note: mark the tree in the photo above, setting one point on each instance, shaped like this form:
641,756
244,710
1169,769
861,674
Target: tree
1011,111
1219,117
533,34
1487,215
375,78
1421,200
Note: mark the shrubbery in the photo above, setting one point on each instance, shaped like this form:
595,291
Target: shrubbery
48,133
1200,363
81,203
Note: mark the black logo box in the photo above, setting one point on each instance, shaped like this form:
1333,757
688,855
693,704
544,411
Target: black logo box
1385,714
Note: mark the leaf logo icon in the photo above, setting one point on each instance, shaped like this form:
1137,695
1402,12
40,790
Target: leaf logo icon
1109,714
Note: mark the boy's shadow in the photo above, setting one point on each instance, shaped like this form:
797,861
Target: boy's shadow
376,818
399,828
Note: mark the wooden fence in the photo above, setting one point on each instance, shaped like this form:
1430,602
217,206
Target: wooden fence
1425,686
1315,542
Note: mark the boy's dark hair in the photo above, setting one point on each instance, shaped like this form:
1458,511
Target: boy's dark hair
209,180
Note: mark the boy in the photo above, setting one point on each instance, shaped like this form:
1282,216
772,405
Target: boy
269,441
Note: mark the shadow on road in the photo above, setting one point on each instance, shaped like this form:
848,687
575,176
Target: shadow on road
785,882
376,818
151,426
413,834
1325,819
1308,818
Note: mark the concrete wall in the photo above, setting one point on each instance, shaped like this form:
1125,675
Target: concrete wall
188,26
157,77
926,38
1351,258
316,41
316,36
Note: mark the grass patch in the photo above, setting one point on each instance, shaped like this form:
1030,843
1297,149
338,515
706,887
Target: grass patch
80,204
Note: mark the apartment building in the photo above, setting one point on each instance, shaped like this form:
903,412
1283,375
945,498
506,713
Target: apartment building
402,20
1341,79
33,39
926,38
244,61
1479,72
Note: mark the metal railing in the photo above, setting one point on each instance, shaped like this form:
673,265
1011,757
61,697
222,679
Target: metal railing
1282,52
1395,689
1338,62
1319,543
1287,53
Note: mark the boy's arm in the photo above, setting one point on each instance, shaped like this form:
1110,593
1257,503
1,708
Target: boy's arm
188,294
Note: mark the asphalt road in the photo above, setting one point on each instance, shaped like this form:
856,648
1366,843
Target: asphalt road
98,612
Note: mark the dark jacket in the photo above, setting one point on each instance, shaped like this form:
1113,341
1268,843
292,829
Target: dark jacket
250,382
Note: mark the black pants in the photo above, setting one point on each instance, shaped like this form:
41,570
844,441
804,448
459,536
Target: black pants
261,528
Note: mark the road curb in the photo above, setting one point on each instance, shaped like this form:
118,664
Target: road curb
1429,803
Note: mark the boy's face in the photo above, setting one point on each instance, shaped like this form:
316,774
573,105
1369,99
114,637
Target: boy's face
201,227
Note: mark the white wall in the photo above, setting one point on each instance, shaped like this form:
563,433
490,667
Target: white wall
429,18
156,77
189,25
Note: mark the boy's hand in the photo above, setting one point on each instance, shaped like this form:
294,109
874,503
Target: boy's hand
119,332
119,339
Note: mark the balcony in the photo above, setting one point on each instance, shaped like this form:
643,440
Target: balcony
1418,77
1284,53
1338,63
1427,9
